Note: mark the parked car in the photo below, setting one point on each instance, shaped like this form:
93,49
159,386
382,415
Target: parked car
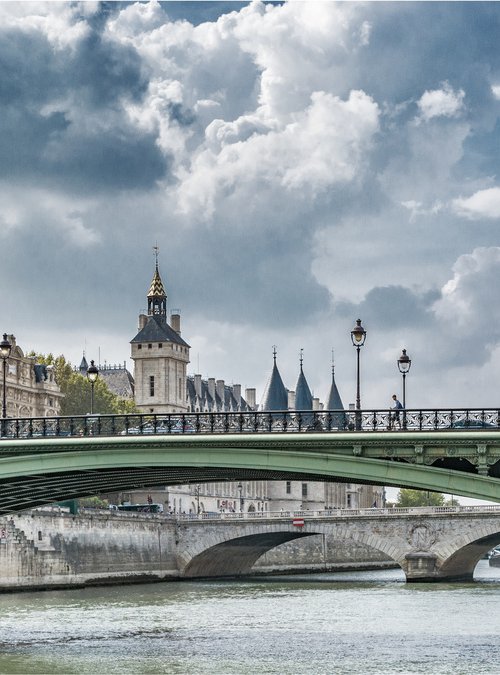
177,426
472,424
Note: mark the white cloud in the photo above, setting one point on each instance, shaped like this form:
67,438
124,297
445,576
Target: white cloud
444,102
61,22
495,90
326,144
469,297
482,204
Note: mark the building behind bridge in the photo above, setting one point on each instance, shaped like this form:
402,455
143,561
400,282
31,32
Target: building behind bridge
161,385
30,387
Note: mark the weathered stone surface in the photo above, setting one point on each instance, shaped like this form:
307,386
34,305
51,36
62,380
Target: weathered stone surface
49,549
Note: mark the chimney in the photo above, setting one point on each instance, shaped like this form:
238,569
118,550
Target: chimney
250,398
316,405
197,385
211,387
291,400
220,390
237,394
175,320
142,321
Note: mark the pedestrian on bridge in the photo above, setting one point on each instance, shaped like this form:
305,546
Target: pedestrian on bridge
397,406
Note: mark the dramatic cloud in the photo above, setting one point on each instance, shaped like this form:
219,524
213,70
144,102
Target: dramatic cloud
300,164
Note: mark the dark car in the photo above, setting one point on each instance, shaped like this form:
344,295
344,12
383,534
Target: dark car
472,424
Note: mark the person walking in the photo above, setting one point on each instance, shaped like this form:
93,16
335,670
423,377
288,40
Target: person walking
396,406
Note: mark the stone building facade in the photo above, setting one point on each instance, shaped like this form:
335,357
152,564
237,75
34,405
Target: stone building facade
31,388
161,385
160,356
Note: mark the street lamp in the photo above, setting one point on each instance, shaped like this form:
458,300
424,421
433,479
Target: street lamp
92,375
404,365
358,337
5,349
197,495
240,491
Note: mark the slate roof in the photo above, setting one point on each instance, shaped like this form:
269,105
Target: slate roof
118,380
84,366
158,330
208,403
334,402
303,396
275,395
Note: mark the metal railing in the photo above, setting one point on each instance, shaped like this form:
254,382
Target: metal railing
321,421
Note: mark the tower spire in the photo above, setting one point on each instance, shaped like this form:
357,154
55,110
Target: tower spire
157,298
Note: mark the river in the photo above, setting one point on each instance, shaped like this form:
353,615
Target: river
356,622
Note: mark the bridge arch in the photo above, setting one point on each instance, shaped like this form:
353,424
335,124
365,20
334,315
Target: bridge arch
226,552
430,547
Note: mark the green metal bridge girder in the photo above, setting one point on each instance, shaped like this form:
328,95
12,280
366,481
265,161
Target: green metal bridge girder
398,459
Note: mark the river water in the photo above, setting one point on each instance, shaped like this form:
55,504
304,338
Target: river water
357,622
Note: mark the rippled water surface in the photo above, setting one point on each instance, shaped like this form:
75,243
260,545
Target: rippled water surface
364,622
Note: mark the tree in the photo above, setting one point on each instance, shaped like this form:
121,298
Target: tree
408,498
76,389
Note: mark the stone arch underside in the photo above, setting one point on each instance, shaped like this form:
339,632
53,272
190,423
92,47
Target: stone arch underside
455,558
236,557
462,562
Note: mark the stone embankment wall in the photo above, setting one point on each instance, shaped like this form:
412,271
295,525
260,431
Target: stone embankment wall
48,549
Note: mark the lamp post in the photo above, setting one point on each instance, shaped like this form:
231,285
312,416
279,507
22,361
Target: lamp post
5,349
92,375
197,495
358,337
240,492
404,365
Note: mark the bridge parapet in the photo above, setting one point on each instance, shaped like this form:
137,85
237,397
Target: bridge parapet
395,512
255,422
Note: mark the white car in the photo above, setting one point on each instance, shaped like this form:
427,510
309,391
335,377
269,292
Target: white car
162,427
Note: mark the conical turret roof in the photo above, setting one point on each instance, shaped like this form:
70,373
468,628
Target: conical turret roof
334,402
84,366
303,396
275,395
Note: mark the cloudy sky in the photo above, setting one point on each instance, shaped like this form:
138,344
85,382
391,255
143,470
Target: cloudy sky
300,165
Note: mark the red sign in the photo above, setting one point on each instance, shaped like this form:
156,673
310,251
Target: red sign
298,522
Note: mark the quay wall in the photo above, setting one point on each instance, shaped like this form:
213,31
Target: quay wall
52,549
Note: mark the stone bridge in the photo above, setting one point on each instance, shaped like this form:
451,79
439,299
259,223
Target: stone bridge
429,544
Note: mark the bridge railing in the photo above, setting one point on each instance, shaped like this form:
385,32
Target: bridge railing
253,422
310,514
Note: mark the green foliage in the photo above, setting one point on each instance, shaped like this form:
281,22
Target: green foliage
93,503
408,498
77,390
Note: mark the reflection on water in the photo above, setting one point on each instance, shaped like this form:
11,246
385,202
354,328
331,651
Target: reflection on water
325,623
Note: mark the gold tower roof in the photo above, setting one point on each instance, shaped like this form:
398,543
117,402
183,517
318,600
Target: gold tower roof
156,289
